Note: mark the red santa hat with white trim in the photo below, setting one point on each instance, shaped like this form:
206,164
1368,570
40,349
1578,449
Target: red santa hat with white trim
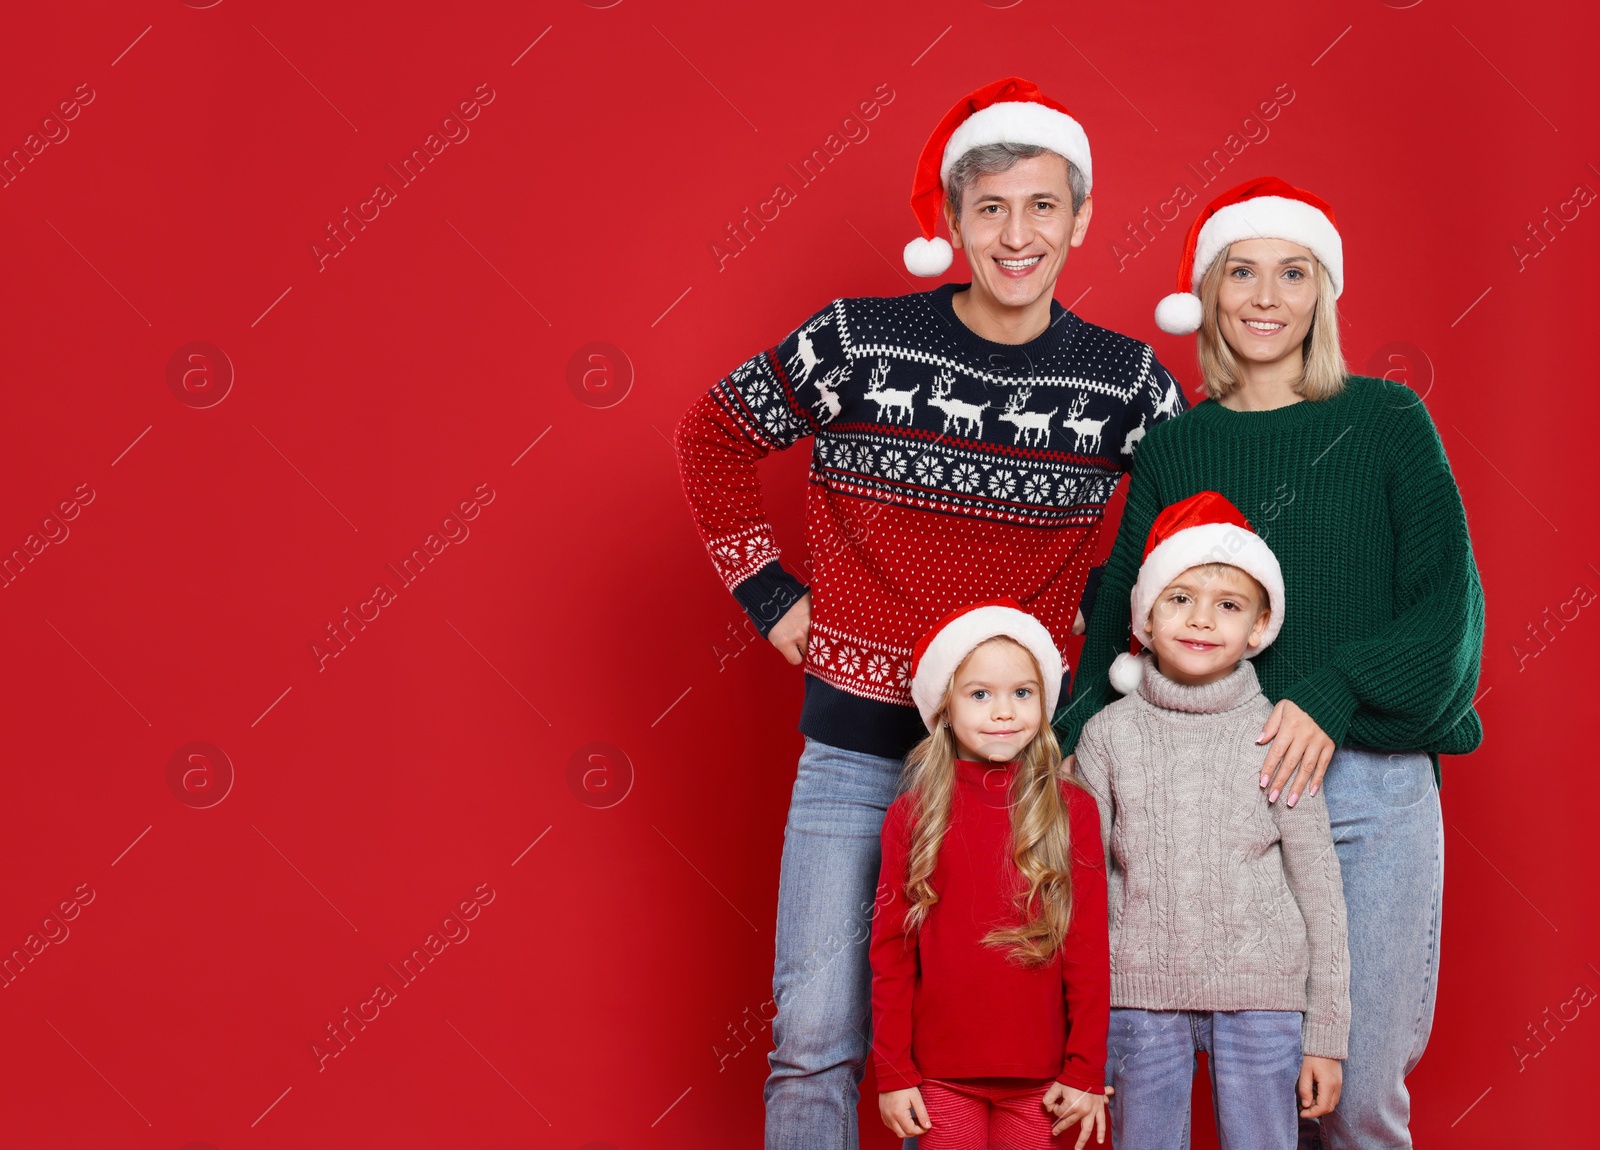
1204,528
1009,111
949,641
1265,207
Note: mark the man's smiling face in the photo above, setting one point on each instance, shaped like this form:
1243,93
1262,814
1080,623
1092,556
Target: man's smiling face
1016,227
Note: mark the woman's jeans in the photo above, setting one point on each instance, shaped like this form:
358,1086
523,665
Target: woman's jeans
821,982
1388,832
1254,1057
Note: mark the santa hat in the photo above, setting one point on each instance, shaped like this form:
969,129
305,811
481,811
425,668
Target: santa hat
1204,528
1009,111
949,641
1265,207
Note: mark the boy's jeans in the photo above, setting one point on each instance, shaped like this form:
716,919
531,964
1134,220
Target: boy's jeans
1255,1063
821,982
1389,835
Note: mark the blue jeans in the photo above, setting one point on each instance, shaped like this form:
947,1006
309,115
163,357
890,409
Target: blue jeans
1255,1062
1389,835
821,981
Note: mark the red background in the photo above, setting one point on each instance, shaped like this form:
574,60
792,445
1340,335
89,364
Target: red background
592,1002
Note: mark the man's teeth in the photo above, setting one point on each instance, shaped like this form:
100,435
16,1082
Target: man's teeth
1018,265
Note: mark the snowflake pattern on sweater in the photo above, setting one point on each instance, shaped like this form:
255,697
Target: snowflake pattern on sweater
945,468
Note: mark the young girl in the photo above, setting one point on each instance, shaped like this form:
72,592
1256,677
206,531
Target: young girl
990,960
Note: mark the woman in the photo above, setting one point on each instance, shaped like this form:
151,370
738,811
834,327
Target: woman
1374,672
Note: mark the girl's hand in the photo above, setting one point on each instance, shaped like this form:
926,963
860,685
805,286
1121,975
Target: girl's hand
1068,768
789,633
1072,1106
1300,752
902,1111
1319,1085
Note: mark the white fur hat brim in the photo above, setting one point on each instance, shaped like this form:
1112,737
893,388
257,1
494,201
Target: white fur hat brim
1020,122
1270,217
959,638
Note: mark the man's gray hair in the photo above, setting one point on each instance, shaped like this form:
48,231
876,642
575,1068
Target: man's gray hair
992,159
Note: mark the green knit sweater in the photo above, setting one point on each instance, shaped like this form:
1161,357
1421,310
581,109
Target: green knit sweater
1383,623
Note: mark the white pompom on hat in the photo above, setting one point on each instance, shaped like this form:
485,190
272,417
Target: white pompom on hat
1009,111
949,641
1204,528
1265,208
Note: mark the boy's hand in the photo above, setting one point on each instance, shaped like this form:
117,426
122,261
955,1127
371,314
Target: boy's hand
1319,1085
902,1111
1072,1106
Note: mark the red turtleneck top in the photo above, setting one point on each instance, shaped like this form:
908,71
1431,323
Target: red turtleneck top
944,1005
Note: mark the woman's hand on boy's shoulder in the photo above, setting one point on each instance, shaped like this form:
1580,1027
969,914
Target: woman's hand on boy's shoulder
1299,755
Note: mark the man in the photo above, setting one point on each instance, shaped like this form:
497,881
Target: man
966,441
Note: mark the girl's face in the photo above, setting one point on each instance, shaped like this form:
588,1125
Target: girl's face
1204,621
996,703
1267,299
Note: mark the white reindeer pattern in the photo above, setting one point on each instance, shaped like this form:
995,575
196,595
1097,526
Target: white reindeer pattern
828,386
958,412
890,399
1134,437
1087,431
805,354
1030,425
1169,402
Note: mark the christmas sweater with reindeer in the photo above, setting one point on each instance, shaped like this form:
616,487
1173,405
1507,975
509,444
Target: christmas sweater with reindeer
945,469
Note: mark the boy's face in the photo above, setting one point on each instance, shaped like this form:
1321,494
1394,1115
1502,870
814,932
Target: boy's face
1203,622
996,703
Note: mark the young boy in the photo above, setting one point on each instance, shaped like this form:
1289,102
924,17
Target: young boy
1227,915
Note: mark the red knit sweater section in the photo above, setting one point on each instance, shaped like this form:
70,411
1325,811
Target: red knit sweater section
945,469
944,1004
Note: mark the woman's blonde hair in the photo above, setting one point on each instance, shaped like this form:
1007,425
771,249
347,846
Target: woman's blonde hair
1323,367
1041,842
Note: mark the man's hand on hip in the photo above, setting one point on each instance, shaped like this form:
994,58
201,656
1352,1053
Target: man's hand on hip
789,633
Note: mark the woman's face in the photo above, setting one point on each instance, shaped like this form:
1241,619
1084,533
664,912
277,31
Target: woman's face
1267,299
996,703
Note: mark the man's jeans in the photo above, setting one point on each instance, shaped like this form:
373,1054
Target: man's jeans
1389,835
1255,1061
821,982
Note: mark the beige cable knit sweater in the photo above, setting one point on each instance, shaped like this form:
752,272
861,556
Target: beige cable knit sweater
1218,900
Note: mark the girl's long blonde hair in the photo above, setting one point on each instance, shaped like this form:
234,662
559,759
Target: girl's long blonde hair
1041,842
1323,368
